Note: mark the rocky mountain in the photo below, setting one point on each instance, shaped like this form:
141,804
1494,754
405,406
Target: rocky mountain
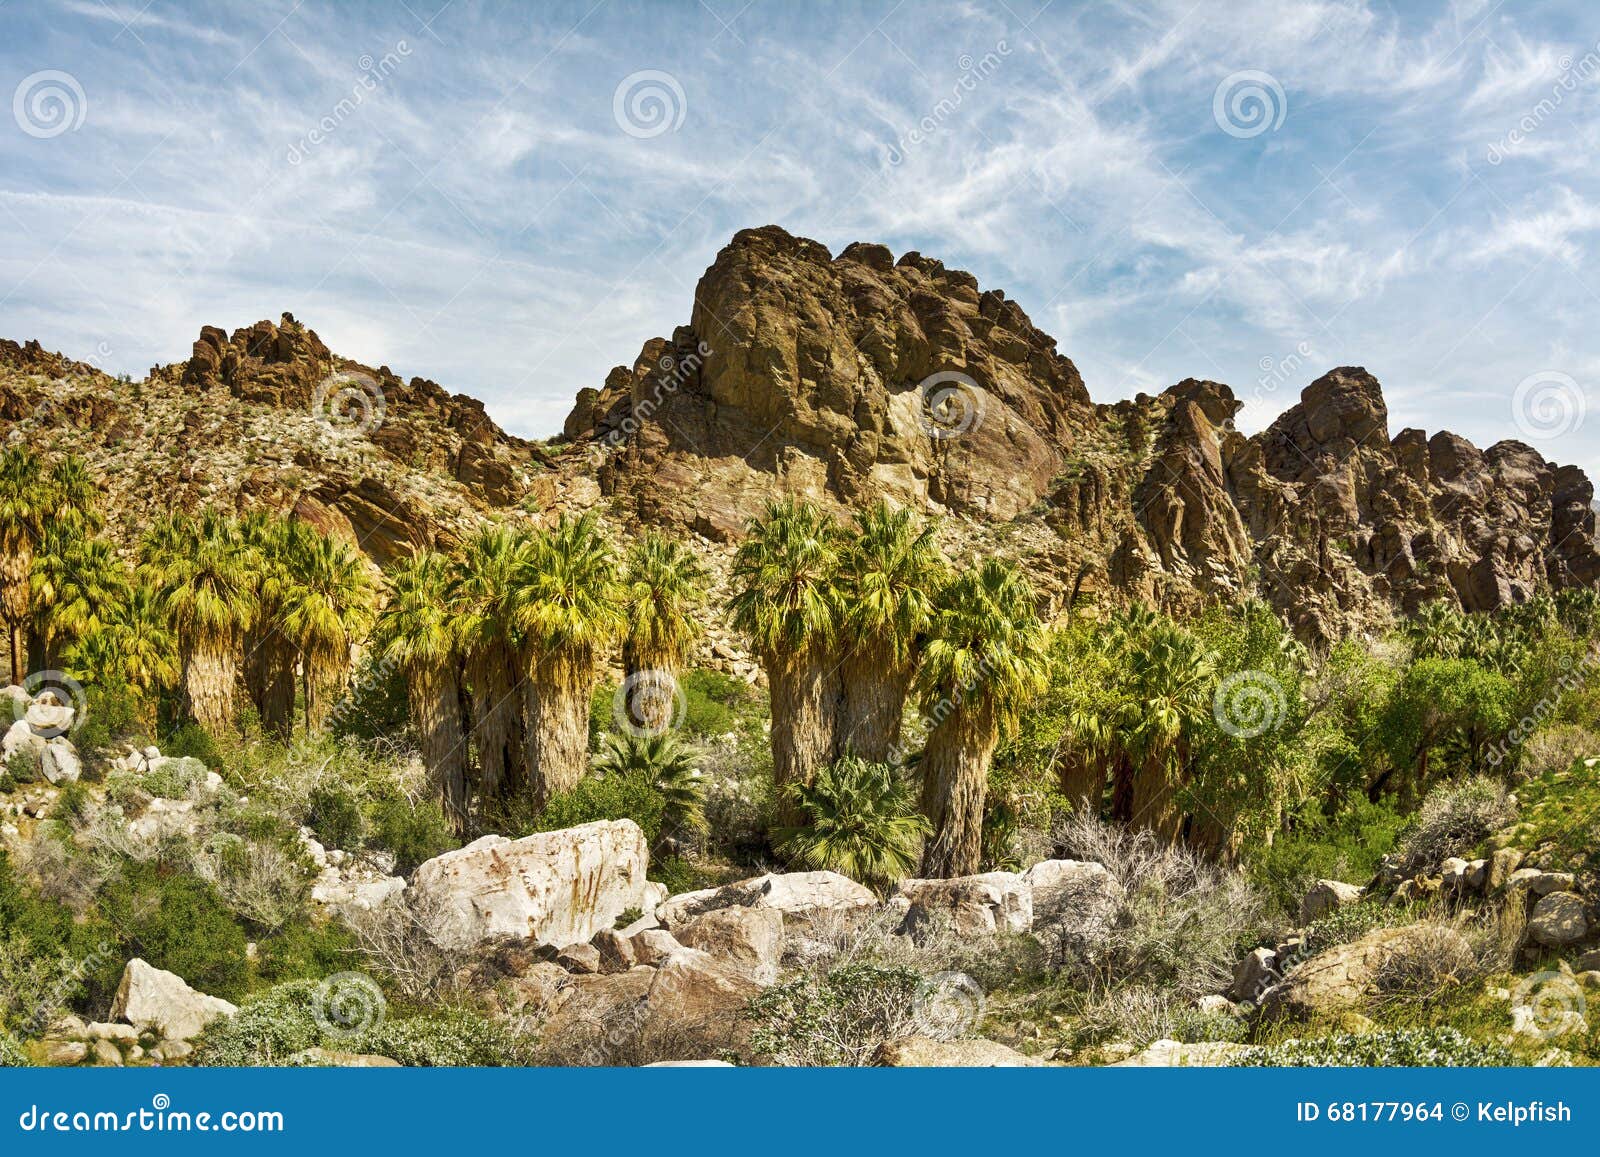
844,379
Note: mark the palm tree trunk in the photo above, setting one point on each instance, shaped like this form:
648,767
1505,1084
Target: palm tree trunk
1082,780
558,725
209,673
434,694
1155,799
497,721
652,681
873,702
955,778
15,565
804,692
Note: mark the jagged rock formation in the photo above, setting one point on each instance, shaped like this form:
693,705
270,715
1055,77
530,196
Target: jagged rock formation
803,373
844,379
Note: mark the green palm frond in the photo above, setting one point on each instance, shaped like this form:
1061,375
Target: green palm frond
858,819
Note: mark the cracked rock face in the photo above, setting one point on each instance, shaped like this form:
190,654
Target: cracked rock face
838,378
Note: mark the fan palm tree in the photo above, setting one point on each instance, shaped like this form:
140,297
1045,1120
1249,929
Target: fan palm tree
857,818
204,571
74,583
130,645
662,585
671,768
26,501
985,656
788,607
415,633
269,652
887,578
1173,680
326,608
566,606
480,596
77,497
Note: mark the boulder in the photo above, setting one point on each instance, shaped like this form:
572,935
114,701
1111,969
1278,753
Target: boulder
1327,896
556,888
920,1052
653,945
971,905
616,951
59,1052
750,939
49,718
801,895
59,762
1502,863
162,1002
1254,975
20,737
1075,903
1558,920
1338,978
579,958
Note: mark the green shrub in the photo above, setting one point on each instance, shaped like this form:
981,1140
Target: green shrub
1385,1048
1141,1016
8,782
374,706
632,796
304,949
277,1027
839,1018
269,1028
178,922
11,1054
1348,847
413,832
449,1039
24,766
335,816
74,803
175,778
194,741
117,719
716,704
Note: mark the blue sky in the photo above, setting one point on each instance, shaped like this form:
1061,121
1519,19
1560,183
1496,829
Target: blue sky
522,194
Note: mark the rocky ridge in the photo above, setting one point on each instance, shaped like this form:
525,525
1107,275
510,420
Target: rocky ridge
844,379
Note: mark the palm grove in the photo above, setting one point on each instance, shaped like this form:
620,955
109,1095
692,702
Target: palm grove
920,713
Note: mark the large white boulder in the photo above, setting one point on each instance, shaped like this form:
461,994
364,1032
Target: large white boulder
978,905
20,737
800,895
556,888
162,1001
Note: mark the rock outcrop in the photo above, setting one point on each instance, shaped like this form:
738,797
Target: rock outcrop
162,1002
553,888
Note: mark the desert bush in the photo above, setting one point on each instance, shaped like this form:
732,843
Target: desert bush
1352,922
11,1054
178,922
23,766
453,1038
1553,749
1141,1015
836,940
268,1029
1454,819
405,945
840,1017
632,796
334,815
1346,847
1435,959
175,779
1397,1048
1184,920
413,830
261,881
303,948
